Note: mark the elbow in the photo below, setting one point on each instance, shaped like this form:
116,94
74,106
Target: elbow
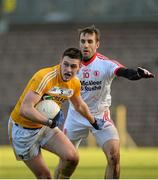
23,111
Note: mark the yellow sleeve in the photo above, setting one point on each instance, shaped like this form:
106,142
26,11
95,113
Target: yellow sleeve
39,82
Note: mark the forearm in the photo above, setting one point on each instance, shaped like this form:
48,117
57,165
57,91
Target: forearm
33,115
134,74
130,74
84,111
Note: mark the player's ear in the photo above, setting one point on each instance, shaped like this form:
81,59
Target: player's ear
98,44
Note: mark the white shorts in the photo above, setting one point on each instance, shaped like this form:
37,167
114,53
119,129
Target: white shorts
27,142
76,128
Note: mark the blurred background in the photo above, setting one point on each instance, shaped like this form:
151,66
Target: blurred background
34,33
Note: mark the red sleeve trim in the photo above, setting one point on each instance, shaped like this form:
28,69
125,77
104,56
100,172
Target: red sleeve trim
115,72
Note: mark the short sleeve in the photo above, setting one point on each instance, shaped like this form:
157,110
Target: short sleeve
38,83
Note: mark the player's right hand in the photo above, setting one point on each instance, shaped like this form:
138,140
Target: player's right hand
52,123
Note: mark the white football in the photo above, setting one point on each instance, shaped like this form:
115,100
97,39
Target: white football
48,108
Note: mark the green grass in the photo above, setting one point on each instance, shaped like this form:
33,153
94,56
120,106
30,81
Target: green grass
140,163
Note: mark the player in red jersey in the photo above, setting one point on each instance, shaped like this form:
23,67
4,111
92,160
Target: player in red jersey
96,75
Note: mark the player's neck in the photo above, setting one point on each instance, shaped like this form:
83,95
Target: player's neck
88,59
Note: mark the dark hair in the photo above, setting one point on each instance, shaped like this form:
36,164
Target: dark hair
73,53
90,30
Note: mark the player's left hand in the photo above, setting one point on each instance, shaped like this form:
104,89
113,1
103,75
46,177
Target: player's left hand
143,73
99,124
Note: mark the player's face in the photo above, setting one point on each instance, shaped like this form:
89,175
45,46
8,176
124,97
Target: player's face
88,45
69,68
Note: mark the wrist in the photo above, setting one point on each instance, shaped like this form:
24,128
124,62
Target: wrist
139,76
140,72
95,125
49,123
94,121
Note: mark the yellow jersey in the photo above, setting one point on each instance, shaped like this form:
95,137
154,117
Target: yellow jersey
47,81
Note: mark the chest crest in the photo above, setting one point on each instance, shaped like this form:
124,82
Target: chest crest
89,73
61,91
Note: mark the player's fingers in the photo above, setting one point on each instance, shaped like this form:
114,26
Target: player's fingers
145,73
151,75
148,74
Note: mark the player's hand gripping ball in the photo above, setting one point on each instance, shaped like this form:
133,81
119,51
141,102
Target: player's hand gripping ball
51,110
48,108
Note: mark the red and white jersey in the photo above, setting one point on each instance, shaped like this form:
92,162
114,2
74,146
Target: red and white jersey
96,77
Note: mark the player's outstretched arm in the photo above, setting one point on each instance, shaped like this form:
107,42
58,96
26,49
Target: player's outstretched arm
132,74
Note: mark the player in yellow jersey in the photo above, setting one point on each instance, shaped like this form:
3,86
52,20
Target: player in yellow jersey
29,130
